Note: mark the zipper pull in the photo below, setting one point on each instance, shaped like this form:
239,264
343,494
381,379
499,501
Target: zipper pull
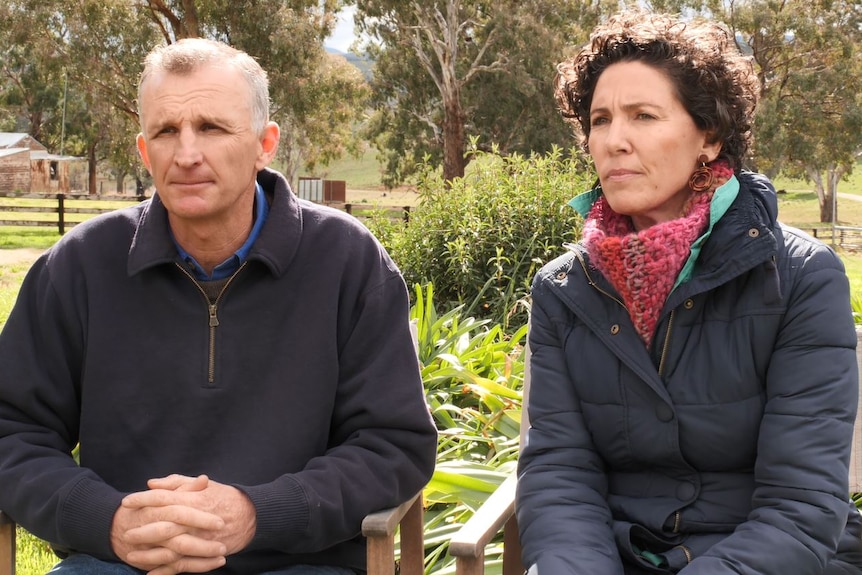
213,316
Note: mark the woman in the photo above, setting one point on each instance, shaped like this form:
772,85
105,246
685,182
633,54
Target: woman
694,380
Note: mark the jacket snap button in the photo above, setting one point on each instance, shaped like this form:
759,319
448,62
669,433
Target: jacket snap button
664,412
753,233
689,303
615,329
685,491
561,275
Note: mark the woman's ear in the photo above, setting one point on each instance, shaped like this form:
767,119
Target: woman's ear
711,147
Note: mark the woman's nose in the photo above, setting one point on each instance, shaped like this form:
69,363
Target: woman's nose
618,136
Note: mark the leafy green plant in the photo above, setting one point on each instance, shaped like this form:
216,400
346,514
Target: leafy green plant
473,376
479,240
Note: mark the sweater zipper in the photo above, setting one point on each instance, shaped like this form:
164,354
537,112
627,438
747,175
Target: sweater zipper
212,314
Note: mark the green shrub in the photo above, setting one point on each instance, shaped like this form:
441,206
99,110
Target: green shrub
473,374
480,240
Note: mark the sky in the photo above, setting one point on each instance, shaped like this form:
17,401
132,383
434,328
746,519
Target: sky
342,36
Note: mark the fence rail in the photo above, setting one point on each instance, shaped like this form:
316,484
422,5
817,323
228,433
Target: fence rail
8,207
10,211
846,237
363,211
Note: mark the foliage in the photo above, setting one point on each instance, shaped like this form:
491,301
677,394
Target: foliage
446,72
99,45
473,375
806,56
481,239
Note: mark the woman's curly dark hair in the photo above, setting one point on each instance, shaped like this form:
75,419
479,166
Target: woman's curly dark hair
714,81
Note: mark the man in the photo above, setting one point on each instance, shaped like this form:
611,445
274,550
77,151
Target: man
235,363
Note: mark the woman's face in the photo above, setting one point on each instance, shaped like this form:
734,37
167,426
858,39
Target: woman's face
644,143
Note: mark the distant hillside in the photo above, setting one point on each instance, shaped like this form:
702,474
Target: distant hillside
363,64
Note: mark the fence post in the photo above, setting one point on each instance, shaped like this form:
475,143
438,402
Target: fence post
348,208
61,224
406,214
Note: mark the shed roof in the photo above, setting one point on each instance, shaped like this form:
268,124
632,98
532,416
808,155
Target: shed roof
13,139
4,152
43,155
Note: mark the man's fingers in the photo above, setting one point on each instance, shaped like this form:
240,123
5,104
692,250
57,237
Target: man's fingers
177,548
189,565
187,517
179,482
153,533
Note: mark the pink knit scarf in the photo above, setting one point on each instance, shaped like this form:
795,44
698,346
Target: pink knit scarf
643,266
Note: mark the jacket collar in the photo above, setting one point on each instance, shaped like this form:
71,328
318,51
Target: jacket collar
276,247
746,236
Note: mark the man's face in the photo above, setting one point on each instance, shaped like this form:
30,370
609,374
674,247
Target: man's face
199,146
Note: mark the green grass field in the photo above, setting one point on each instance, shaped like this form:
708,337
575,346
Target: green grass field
362,173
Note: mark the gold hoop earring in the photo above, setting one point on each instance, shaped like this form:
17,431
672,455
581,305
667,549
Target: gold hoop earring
702,178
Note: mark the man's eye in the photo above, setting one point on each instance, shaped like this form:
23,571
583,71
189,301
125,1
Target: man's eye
209,127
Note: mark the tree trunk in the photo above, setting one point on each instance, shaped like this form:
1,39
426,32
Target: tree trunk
91,166
453,139
825,207
831,196
121,178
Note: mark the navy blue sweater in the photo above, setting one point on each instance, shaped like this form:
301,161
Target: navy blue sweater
306,394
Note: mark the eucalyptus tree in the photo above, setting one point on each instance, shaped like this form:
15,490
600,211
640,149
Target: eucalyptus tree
317,98
31,77
807,55
450,71
100,46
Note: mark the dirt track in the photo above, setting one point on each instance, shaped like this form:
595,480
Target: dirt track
11,256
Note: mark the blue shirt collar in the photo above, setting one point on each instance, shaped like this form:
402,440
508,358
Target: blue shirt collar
231,264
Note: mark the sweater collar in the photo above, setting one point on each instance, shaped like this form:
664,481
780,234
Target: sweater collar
275,247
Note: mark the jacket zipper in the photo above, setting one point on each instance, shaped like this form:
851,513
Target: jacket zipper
687,552
212,314
677,516
666,344
594,284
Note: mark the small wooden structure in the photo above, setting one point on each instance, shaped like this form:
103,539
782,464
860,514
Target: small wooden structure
27,167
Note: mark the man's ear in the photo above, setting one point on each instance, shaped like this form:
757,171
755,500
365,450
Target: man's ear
142,151
268,145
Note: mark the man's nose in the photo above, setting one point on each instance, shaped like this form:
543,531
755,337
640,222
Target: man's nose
188,151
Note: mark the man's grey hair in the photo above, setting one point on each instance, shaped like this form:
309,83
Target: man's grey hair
191,54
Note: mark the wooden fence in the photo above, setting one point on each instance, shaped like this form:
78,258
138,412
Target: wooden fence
845,237
10,210
363,211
